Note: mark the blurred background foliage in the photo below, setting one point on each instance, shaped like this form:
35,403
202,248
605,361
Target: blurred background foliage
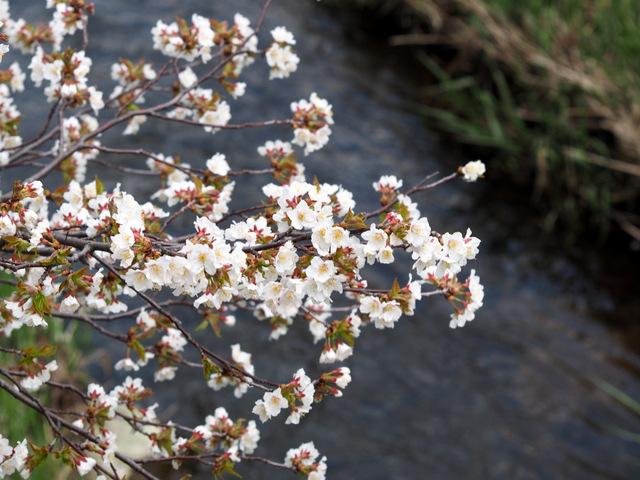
545,91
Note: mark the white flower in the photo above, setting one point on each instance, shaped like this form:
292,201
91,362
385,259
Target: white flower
454,248
305,453
376,240
286,259
316,109
69,304
472,245
237,89
165,373
274,402
282,35
345,377
419,232
187,77
4,48
384,315
385,255
302,216
17,77
174,339
17,457
126,364
138,279
5,448
345,201
218,164
148,72
130,386
133,124
249,439
7,226
282,60
476,291
387,182
85,466
278,147
338,237
472,171
260,409
35,382
371,305
233,453
218,117
95,99
200,257
320,270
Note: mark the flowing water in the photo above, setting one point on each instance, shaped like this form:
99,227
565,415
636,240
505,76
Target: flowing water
509,396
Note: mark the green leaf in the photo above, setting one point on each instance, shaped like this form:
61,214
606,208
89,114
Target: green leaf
58,195
59,257
395,289
38,456
66,455
18,245
343,333
138,348
198,182
40,304
209,368
76,278
46,351
17,190
204,324
212,319
224,465
99,186
354,221
163,440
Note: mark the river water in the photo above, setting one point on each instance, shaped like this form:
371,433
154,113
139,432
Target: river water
509,396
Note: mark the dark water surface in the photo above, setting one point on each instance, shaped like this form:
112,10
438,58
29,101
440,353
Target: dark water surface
509,396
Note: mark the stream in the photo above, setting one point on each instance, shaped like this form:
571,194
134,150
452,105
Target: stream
509,396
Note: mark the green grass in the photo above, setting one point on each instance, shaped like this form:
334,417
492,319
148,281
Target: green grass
545,91
625,400
603,31
599,41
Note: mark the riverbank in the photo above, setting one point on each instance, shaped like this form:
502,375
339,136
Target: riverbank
546,94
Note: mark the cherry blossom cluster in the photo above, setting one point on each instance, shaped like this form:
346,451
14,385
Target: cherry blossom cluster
312,118
217,433
304,460
67,18
67,76
299,394
93,253
180,40
280,55
12,459
66,72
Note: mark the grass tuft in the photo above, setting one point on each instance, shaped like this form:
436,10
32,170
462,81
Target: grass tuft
548,90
